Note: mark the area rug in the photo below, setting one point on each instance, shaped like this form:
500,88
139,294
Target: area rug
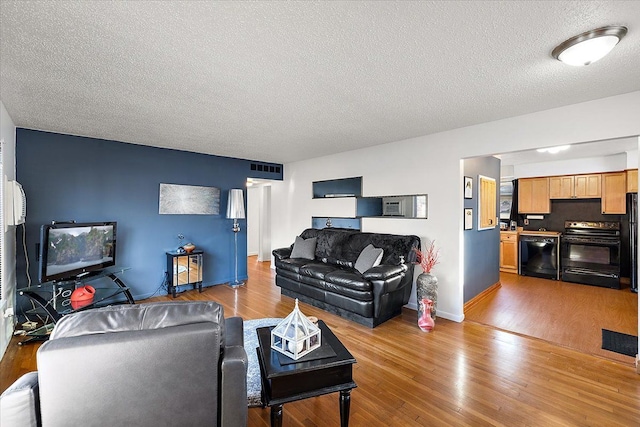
254,384
619,342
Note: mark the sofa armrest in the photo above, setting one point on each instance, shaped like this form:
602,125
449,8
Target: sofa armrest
384,279
383,272
20,403
234,334
282,253
233,388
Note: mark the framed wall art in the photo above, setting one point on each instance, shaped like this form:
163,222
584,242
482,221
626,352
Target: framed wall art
468,187
468,218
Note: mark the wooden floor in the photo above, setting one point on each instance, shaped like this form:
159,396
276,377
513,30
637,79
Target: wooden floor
567,314
461,374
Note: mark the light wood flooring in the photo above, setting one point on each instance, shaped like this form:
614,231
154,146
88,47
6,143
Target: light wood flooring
567,314
461,374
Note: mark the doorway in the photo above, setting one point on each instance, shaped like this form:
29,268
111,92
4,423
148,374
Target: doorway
500,309
259,219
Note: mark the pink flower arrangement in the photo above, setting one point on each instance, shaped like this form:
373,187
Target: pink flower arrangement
427,259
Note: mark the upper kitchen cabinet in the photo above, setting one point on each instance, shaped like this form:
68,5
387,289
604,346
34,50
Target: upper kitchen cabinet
533,196
575,186
562,187
614,190
588,186
632,180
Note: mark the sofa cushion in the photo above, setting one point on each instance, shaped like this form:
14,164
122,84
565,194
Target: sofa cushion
394,247
305,249
317,270
330,242
348,279
369,257
291,264
338,262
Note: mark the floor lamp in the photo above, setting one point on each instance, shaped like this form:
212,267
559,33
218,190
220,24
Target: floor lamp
235,211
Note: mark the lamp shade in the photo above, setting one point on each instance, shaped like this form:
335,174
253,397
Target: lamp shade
235,204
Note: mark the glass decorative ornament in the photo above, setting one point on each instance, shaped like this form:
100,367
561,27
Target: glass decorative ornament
295,336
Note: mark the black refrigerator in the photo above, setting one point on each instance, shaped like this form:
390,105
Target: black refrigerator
632,208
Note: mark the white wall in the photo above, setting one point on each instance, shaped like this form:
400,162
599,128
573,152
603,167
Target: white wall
253,219
259,221
8,136
632,158
264,253
432,164
614,163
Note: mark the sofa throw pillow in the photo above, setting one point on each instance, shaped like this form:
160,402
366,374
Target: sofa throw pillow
369,257
304,248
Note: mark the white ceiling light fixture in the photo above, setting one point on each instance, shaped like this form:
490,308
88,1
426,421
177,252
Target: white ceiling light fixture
554,150
587,48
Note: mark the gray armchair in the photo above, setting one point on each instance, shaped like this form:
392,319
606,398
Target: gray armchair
156,364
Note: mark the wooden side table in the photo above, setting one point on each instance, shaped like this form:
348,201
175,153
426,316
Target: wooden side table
184,269
282,383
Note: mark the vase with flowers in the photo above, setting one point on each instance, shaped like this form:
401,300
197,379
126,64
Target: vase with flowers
427,286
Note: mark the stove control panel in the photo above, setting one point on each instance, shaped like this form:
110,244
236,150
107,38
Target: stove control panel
593,225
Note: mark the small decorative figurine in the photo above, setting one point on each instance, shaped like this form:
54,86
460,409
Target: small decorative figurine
296,335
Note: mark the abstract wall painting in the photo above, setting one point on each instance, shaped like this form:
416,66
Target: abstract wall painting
188,200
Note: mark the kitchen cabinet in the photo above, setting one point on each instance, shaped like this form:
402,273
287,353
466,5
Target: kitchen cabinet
509,251
561,187
533,196
575,186
614,193
588,186
487,203
632,180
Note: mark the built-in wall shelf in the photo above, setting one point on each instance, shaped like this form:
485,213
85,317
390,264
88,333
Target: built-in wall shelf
345,187
404,206
412,206
323,222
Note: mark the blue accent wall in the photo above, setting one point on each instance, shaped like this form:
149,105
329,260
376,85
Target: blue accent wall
86,179
481,247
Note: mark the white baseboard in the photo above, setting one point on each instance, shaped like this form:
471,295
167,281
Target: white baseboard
445,315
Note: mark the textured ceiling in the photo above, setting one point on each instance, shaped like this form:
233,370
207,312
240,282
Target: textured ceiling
285,81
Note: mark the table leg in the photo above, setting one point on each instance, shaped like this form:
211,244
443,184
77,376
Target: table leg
276,416
345,403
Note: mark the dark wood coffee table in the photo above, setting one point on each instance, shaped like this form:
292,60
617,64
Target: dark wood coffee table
301,380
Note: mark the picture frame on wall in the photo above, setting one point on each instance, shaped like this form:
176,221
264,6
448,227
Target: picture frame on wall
468,218
468,187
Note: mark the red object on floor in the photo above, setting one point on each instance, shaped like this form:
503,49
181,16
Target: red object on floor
426,322
82,296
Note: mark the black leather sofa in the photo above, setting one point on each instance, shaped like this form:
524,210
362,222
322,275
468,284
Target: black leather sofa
331,282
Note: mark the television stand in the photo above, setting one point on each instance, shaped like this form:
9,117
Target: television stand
53,299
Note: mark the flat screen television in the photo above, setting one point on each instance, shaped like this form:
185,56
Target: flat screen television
71,250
